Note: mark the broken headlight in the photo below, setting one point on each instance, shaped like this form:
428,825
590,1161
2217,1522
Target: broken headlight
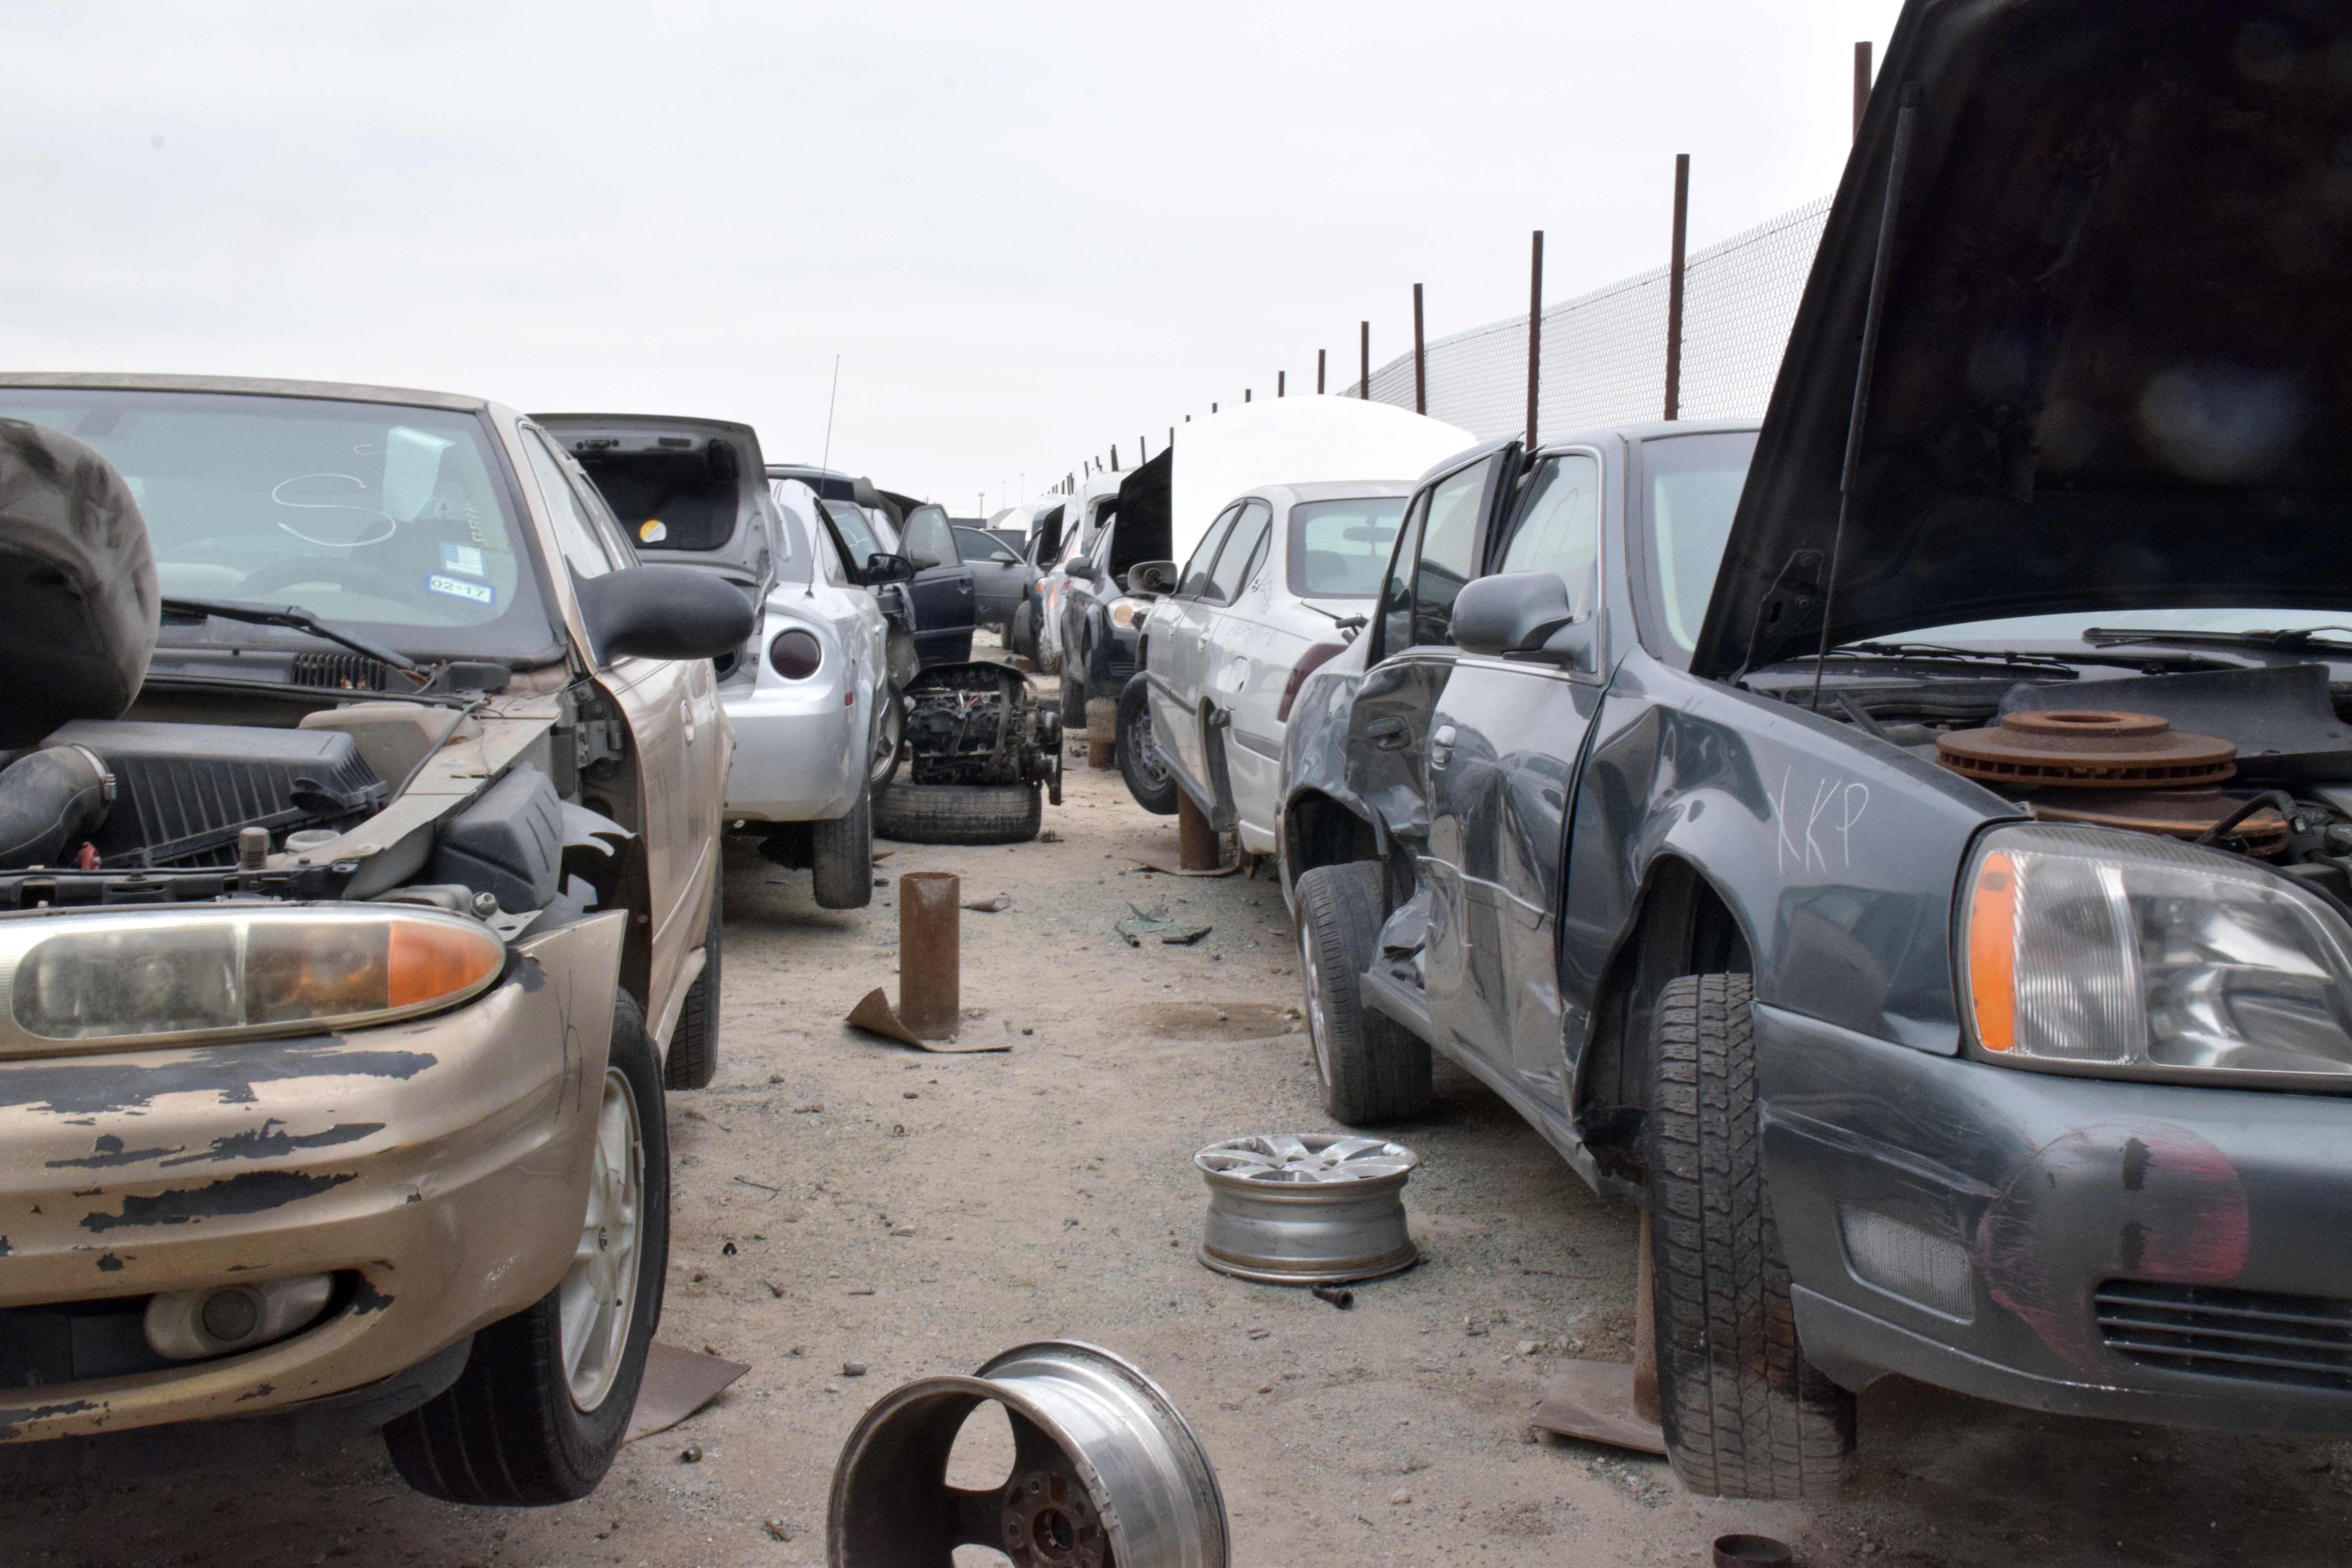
2101,952
169,977
1126,613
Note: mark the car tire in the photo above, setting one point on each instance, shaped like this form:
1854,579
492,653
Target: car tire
889,735
511,1433
693,1059
958,813
1745,1413
1021,636
1372,1069
841,856
1147,773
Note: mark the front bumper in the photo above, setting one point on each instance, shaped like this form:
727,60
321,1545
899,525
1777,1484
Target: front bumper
800,747
2213,1203
442,1162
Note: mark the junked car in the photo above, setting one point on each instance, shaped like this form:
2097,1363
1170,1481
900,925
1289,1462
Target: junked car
1084,514
926,596
1000,577
1908,848
807,693
361,886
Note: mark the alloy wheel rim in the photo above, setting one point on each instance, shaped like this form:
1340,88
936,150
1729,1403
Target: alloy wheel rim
1317,1027
596,1303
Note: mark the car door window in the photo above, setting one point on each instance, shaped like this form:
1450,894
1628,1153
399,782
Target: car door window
1245,548
577,533
1559,528
1195,580
930,540
1396,599
1449,535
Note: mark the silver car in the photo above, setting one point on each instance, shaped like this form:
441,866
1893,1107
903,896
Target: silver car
1279,584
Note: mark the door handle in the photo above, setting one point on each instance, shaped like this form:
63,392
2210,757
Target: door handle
1388,733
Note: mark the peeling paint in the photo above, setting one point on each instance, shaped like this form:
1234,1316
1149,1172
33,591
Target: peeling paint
12,1421
109,1151
258,1391
255,1192
69,1088
110,1264
262,1143
369,1299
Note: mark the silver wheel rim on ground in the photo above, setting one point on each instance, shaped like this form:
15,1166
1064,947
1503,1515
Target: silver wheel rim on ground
1306,1208
1106,1470
597,1300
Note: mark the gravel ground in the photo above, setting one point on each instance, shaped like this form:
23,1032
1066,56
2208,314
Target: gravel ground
917,1213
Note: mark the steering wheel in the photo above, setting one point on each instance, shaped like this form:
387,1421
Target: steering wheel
286,574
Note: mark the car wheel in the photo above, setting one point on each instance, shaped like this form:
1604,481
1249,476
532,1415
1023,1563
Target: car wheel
1140,763
693,1058
889,735
1372,1067
1073,705
1745,1413
840,854
546,1395
1021,636
958,813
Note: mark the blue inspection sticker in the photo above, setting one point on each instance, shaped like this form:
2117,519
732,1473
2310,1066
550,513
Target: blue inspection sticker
459,588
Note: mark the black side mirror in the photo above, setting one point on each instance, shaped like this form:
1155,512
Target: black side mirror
1524,612
884,567
665,612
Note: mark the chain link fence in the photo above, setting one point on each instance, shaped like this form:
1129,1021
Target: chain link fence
1604,353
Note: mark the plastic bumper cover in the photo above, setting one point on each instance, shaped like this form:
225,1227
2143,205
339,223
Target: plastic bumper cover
800,749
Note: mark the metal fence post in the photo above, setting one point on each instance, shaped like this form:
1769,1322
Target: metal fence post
1674,289
1320,354
1535,335
1861,83
1420,359
930,990
1281,382
1364,349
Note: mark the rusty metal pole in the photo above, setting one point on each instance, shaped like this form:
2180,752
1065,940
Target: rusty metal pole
1196,841
1861,84
1674,289
1319,356
1535,336
930,956
1282,384
1420,359
1364,354
1645,1332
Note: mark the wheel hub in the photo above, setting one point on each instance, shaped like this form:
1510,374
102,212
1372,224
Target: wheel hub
598,1299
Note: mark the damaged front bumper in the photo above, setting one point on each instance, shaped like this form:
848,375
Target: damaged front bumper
2147,1252
437,1169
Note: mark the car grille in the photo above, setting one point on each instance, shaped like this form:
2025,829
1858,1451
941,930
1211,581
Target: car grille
2306,1341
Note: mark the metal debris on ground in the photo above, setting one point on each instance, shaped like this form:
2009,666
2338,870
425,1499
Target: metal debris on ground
1593,1399
1172,871
1306,1208
1106,1471
996,905
1343,1300
677,1382
875,1014
1750,1551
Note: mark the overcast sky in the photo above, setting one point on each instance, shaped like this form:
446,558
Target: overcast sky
1028,230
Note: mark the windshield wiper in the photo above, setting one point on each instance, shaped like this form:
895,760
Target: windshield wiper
1938,651
292,619
2299,636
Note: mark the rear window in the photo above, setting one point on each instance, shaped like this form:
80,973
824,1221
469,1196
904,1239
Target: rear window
1339,549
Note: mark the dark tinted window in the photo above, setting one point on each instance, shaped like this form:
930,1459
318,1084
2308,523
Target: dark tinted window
1195,577
1396,599
1558,528
1338,548
978,544
1245,548
1448,539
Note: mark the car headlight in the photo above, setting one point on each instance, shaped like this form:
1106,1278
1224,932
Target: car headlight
2104,951
167,977
1124,613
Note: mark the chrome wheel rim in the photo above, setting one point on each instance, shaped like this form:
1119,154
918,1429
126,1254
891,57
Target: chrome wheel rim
596,1303
1317,1026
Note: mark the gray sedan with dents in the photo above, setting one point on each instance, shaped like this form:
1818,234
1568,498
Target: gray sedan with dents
357,893
1909,846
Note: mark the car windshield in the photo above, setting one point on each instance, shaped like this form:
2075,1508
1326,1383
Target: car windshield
1339,549
1691,490
858,529
389,520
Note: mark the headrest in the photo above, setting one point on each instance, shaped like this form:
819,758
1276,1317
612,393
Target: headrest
78,604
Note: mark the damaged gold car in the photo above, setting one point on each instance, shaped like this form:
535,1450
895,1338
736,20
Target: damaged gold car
357,893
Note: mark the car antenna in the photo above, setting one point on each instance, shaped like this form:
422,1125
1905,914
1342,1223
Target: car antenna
1880,264
832,397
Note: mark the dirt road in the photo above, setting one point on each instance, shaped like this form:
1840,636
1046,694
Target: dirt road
917,1213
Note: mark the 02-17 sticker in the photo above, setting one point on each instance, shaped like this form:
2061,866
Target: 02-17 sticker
459,588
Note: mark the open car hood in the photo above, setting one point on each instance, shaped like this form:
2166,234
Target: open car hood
740,541
2111,374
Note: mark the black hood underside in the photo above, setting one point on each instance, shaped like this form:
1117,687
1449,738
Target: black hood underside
2115,367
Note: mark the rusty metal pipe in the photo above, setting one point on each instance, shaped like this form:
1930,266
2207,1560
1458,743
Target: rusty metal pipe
1196,841
930,953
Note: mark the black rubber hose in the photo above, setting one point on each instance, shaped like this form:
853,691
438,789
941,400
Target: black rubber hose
49,803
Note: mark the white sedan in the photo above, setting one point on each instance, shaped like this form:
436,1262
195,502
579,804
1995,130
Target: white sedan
1280,582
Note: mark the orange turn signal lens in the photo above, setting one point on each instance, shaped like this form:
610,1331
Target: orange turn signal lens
1992,952
430,961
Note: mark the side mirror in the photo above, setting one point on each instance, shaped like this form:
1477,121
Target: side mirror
1151,577
884,567
1521,613
921,563
665,612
